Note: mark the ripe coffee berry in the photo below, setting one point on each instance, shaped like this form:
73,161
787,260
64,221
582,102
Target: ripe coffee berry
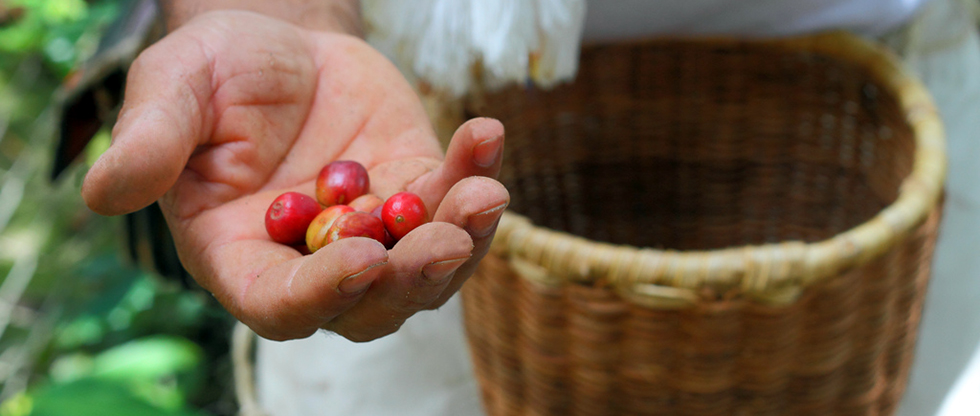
366,203
356,224
289,216
402,213
316,234
389,240
341,182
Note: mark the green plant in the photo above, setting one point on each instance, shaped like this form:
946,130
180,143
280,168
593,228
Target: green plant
81,330
64,32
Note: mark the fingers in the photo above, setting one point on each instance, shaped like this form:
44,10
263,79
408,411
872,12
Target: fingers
469,203
297,295
468,197
430,263
293,298
392,177
475,150
465,196
159,127
475,204
419,268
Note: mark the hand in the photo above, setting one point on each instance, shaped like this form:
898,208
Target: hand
235,108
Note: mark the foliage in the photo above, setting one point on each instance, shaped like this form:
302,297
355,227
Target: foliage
64,31
136,378
90,334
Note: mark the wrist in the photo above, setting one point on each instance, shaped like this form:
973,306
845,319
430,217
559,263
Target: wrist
342,16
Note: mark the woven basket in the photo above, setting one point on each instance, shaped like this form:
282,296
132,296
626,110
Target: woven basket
710,227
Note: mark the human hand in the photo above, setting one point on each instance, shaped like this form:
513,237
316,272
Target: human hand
235,108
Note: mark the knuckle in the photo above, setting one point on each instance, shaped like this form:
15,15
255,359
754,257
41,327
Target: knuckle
272,336
277,334
141,62
277,327
411,304
151,58
358,336
436,304
365,333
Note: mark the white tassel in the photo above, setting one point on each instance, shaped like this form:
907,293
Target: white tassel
560,20
440,41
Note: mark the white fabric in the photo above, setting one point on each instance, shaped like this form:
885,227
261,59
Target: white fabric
442,41
424,368
619,19
449,44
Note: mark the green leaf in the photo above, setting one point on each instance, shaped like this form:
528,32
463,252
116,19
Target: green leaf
148,358
70,367
84,330
18,405
165,394
64,10
25,36
99,144
95,397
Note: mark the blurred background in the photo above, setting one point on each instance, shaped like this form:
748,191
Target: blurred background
82,329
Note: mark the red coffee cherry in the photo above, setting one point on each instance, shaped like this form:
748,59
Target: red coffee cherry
356,224
402,213
366,203
289,216
316,234
341,182
389,240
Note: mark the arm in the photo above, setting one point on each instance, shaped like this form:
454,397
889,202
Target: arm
325,15
232,109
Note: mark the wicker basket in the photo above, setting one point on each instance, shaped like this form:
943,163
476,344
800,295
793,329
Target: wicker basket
785,195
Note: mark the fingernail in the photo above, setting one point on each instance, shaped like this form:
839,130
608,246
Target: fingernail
486,153
438,272
483,223
358,282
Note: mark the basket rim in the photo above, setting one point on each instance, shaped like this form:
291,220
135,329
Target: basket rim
774,272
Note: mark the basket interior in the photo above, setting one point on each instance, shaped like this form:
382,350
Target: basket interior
696,147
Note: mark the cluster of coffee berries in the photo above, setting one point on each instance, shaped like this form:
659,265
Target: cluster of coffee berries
342,208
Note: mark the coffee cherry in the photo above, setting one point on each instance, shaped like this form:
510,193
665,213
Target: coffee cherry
366,203
341,182
302,248
389,240
402,213
289,216
316,234
356,224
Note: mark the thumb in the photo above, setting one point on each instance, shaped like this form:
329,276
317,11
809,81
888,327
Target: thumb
161,123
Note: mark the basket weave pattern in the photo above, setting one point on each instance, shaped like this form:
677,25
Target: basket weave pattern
710,228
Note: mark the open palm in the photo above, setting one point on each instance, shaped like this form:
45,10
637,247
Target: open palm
233,109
